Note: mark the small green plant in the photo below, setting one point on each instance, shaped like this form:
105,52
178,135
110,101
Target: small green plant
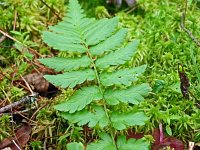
96,62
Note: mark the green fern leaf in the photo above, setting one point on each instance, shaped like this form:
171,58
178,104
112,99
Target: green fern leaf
65,35
122,77
122,144
100,30
118,57
121,121
71,79
132,144
105,144
61,42
75,146
66,64
80,99
109,44
75,13
83,117
133,95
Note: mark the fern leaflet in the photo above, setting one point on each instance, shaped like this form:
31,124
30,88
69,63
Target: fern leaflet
110,44
131,144
133,95
83,117
122,76
80,99
121,121
104,144
118,57
66,64
75,146
71,79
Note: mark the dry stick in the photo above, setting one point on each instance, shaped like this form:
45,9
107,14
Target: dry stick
23,100
15,20
18,112
10,37
2,38
187,30
38,111
16,145
28,86
51,9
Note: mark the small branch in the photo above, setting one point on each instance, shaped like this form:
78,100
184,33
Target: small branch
161,132
2,38
18,112
16,145
185,29
15,20
10,37
23,100
51,9
28,86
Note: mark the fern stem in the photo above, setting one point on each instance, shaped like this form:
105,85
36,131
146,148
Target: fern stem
100,88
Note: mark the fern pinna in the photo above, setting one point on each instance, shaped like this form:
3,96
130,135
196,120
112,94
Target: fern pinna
98,56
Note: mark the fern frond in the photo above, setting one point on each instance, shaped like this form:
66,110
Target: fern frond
109,44
100,30
133,95
99,38
121,121
71,79
80,99
83,117
118,57
132,144
105,144
122,76
66,64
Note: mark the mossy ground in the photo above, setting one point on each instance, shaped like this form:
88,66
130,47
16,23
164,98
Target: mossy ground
163,45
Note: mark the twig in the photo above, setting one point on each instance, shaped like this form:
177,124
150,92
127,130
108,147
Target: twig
51,9
161,132
185,29
18,112
131,10
23,100
16,145
15,20
38,111
28,86
2,38
10,37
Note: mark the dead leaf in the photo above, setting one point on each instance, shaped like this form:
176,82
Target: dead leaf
37,82
185,83
21,138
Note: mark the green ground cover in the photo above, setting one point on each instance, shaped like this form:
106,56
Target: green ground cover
163,45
